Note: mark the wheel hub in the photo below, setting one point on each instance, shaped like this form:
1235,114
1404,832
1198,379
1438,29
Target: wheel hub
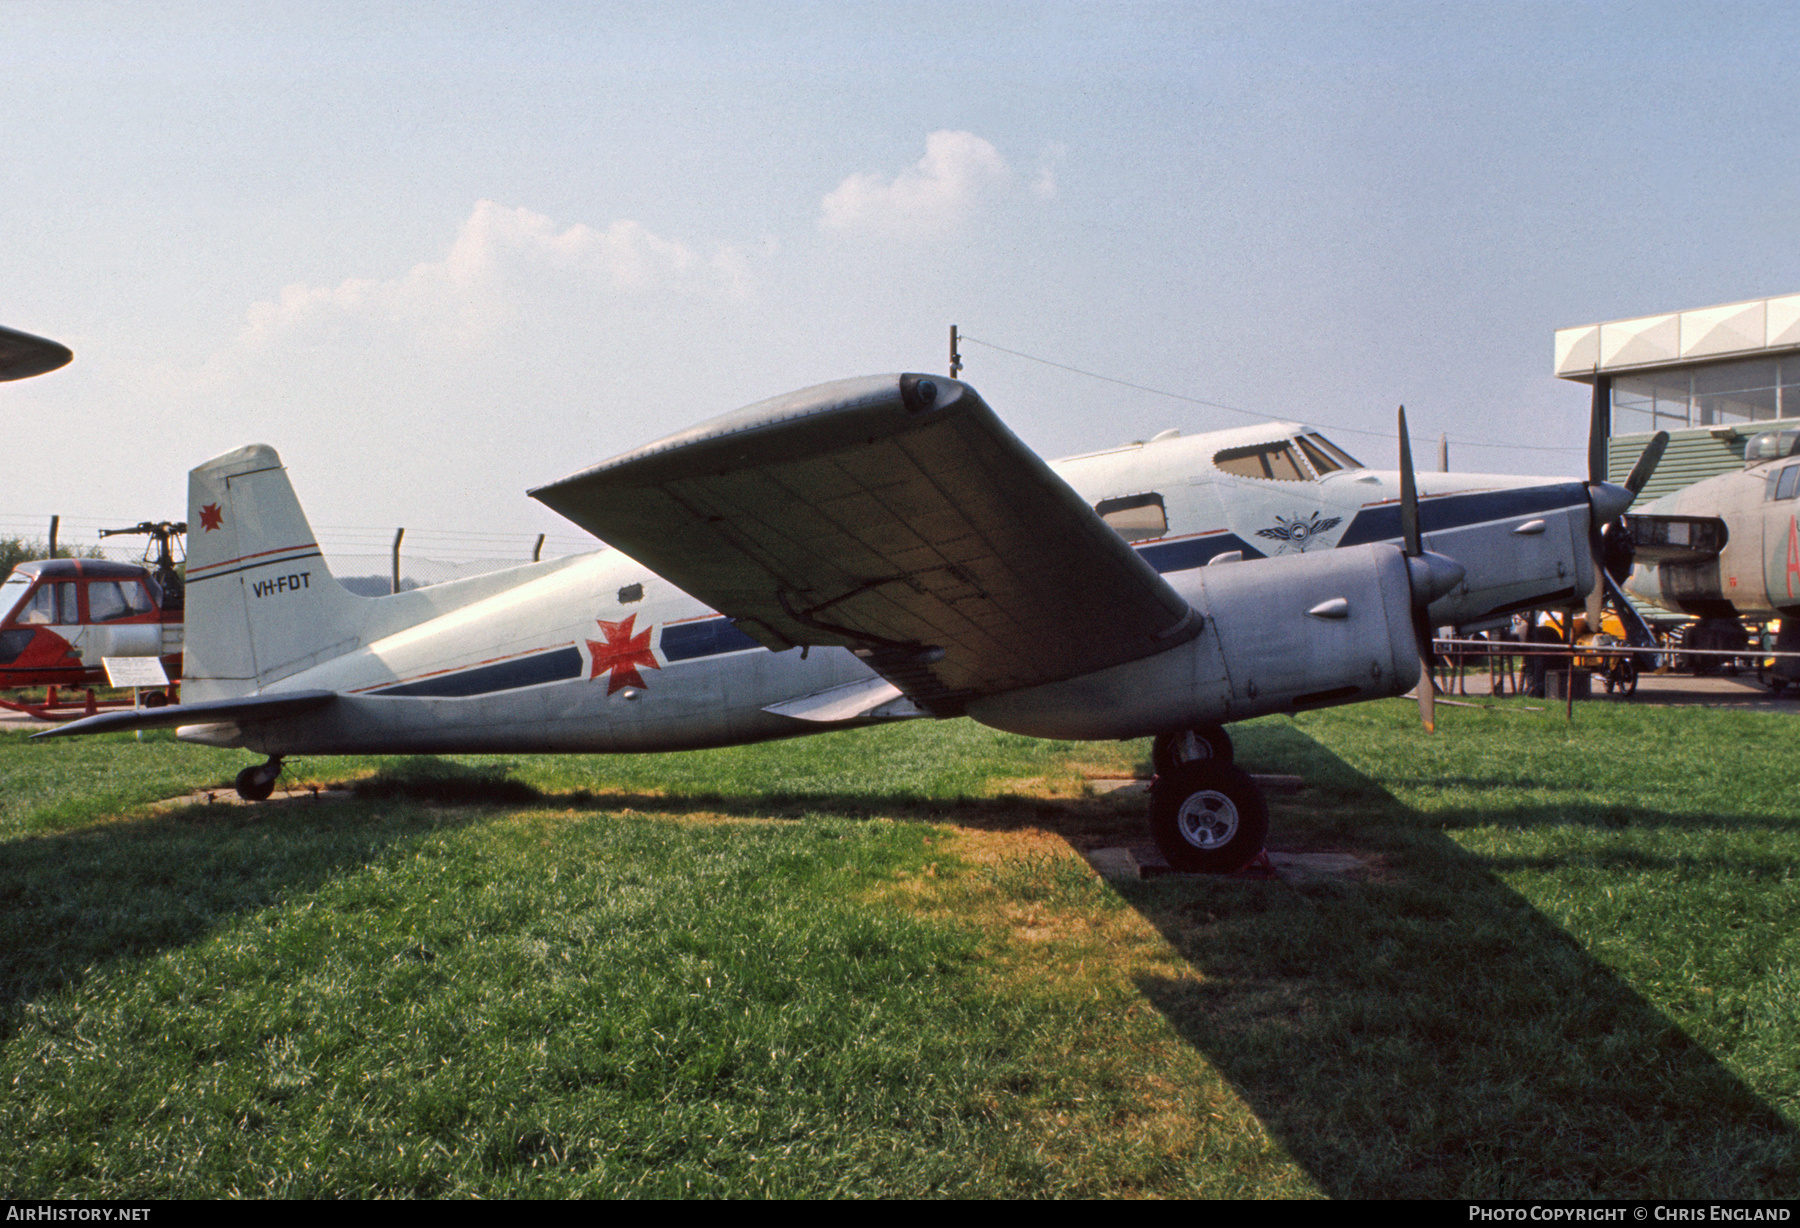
1207,819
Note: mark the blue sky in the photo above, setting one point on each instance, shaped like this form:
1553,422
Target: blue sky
437,254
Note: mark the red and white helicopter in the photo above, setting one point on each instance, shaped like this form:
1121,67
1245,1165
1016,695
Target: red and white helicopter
60,617
872,550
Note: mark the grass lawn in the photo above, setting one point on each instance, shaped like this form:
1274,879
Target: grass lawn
875,963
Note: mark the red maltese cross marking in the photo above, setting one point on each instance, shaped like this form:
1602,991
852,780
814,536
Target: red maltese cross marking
622,653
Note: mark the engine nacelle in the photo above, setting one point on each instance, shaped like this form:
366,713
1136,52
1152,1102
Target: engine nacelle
1282,634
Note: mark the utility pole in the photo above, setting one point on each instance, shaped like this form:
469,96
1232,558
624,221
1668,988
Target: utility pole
398,534
955,355
54,521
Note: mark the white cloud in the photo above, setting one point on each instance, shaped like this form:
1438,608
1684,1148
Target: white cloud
500,260
930,197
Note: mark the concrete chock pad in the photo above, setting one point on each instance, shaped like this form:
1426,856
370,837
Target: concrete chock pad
1141,861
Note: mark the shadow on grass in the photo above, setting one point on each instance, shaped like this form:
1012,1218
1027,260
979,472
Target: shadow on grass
1427,1032
79,901
1421,1031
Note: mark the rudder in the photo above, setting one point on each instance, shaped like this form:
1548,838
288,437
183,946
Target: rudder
261,603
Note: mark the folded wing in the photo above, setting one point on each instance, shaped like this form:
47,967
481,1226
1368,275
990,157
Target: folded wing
895,516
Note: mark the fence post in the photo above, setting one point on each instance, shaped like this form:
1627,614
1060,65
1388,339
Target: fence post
398,534
54,521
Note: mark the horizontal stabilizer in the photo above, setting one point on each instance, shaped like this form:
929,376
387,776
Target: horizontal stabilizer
210,712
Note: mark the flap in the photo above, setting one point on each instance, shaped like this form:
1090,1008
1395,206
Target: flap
895,516
871,697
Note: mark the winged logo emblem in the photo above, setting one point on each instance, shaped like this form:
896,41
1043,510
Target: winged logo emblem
1298,533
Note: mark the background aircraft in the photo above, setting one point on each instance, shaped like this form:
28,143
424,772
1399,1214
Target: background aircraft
59,617
23,355
869,550
1728,547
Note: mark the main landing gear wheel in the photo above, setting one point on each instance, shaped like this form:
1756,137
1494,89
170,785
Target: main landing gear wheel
1208,817
255,784
1198,745
1623,676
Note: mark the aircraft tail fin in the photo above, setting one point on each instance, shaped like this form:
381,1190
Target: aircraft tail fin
261,603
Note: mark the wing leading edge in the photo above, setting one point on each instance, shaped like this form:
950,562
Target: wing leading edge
895,516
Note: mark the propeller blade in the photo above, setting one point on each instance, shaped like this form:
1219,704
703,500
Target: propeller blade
1430,577
1646,464
1427,694
1607,541
1596,597
1409,496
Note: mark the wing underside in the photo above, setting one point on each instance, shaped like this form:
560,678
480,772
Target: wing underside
895,516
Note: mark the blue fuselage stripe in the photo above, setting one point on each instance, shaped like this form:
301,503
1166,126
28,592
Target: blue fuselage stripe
1380,524
710,637
559,665
1195,551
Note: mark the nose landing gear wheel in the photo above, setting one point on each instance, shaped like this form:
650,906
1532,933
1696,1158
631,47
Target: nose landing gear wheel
1208,817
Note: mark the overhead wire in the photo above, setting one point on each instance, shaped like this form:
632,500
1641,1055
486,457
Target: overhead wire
1251,413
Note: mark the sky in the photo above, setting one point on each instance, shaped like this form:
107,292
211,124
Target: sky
437,254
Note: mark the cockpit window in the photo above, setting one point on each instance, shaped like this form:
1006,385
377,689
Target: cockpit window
1771,445
1135,517
109,600
1790,478
11,591
1325,455
1273,461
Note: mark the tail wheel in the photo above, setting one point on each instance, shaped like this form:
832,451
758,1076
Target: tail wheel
255,784
1208,817
1201,744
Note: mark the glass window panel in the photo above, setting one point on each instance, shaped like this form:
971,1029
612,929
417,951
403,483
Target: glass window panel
1736,376
11,591
1757,405
106,601
1633,396
1788,477
1332,450
1135,517
1286,467
1273,461
1321,463
39,609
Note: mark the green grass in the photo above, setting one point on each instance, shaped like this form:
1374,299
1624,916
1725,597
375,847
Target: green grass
872,964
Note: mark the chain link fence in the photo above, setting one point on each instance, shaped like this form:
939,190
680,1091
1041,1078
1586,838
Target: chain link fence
363,559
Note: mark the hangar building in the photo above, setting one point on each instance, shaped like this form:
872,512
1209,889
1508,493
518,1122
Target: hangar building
1712,377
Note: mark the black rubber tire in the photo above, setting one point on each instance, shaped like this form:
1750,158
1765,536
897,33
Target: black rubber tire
1208,817
1202,744
252,787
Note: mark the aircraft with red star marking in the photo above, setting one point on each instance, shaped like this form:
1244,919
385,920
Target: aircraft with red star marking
874,550
1726,548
